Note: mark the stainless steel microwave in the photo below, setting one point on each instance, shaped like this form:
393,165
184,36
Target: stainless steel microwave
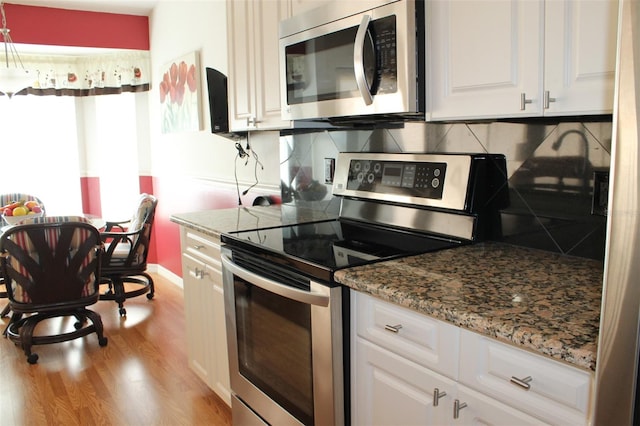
353,59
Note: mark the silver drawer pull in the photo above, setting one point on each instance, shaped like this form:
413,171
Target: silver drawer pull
523,383
457,406
393,328
437,395
198,247
198,273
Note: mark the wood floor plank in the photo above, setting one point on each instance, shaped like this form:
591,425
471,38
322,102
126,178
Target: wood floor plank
140,378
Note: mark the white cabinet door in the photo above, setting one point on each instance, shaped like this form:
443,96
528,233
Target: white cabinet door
390,390
485,58
268,109
199,316
580,56
254,67
221,381
204,310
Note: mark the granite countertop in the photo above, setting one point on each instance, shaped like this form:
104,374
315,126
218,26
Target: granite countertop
534,299
216,222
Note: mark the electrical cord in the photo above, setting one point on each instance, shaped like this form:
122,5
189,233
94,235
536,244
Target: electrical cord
243,154
255,172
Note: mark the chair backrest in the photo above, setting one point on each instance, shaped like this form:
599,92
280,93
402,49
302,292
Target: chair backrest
17,196
137,241
51,260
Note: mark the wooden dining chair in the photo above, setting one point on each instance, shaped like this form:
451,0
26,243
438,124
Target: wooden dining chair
51,268
124,262
6,199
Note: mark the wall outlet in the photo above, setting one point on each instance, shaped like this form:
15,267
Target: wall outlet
600,193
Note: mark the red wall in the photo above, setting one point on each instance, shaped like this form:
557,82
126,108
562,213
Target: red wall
186,195
62,27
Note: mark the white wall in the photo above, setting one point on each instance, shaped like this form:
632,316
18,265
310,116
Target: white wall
176,28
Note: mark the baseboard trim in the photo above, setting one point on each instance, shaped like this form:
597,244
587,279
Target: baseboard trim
165,273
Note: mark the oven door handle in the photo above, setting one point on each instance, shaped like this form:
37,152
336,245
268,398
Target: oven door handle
306,297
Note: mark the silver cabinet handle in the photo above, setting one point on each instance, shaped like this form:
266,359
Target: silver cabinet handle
523,383
198,247
457,406
198,273
358,60
437,395
393,328
524,101
252,121
547,99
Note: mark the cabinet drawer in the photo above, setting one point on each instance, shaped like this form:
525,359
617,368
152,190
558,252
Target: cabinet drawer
426,341
206,249
557,393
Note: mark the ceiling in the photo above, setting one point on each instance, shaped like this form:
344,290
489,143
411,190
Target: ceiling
127,7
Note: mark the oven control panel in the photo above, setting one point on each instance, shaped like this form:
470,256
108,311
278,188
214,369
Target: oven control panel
421,179
432,180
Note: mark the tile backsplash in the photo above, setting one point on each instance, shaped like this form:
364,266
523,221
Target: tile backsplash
550,166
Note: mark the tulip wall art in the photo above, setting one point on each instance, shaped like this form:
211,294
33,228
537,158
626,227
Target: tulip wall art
180,94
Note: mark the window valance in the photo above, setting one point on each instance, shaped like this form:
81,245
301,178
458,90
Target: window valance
87,75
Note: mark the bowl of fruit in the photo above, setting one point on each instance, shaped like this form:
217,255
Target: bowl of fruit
17,211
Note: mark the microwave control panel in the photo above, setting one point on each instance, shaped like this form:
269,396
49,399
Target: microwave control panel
418,179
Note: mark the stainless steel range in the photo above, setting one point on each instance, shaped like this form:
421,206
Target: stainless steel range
286,318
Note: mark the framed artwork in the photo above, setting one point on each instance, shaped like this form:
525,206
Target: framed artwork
180,94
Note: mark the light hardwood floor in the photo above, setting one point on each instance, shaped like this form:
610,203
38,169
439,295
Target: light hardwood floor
140,378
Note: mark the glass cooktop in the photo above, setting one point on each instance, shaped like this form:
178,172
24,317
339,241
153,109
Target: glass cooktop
319,248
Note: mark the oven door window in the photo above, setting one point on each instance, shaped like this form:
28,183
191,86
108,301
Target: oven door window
322,68
274,347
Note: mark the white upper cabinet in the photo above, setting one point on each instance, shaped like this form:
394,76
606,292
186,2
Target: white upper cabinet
254,67
520,58
483,56
580,56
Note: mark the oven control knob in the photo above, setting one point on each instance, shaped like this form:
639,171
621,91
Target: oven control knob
435,182
360,177
370,178
367,166
377,167
357,166
436,172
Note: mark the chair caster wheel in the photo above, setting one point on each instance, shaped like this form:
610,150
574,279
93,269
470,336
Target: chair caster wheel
149,296
123,312
103,342
32,358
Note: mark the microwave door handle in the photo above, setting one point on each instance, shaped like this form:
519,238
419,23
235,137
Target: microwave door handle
358,60
306,297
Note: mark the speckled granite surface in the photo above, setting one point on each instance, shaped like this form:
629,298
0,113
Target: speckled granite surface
215,222
534,299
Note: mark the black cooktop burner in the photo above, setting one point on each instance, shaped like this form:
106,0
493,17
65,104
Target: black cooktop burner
319,248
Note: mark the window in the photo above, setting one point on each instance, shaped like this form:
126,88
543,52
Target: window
39,151
116,128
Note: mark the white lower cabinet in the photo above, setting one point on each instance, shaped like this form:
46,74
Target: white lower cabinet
204,310
462,378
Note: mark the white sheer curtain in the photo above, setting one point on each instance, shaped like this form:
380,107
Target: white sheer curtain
119,177
39,151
